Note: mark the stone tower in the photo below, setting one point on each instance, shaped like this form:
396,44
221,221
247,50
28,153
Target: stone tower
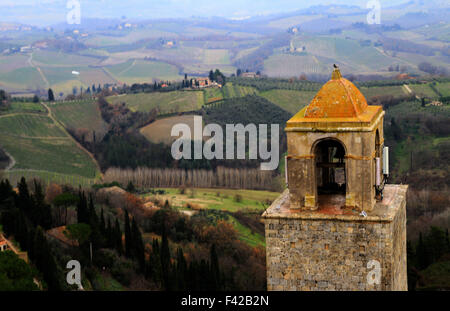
338,226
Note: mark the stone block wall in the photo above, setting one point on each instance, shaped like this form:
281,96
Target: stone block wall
333,254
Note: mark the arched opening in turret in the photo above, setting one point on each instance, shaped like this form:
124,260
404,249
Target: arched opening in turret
331,176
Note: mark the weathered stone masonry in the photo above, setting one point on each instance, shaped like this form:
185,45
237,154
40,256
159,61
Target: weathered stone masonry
321,252
338,226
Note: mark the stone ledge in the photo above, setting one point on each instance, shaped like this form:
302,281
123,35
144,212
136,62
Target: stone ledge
384,211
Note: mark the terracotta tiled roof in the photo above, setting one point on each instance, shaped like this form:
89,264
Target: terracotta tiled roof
338,98
338,105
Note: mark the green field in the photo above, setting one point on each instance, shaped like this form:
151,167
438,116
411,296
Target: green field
25,107
29,125
62,59
289,100
37,143
138,71
208,199
59,155
370,92
231,90
165,102
423,90
84,115
22,78
443,88
212,95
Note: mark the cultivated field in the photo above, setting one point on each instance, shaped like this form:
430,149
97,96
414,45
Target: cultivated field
29,125
165,102
25,107
82,115
59,155
38,144
287,65
289,100
138,71
212,95
423,90
159,131
369,92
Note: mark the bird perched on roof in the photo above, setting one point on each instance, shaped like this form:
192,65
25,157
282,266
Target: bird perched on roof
335,66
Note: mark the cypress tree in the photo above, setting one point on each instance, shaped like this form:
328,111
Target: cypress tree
181,270
422,254
118,238
24,201
128,240
214,269
42,213
165,258
138,245
51,96
82,210
155,269
109,234
103,224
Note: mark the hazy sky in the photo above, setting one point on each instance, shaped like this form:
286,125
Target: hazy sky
45,12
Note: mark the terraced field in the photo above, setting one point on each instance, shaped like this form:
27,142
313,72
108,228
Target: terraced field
84,115
165,102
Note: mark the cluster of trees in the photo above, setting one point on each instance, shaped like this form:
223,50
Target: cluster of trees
246,110
218,259
221,177
267,84
179,275
388,101
15,274
4,100
123,146
428,255
25,216
431,69
376,28
217,76
399,45
397,68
